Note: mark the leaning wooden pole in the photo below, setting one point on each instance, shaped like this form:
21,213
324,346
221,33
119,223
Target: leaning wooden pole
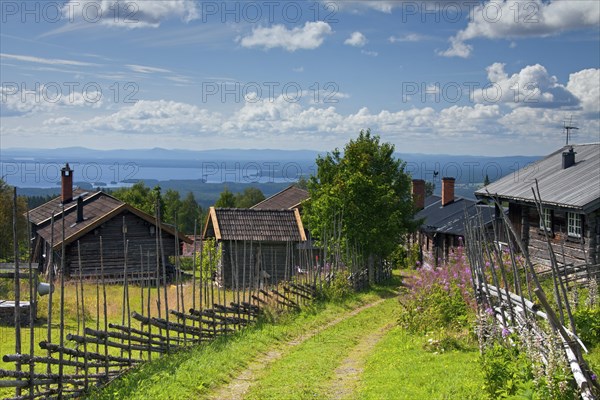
164,265
50,267
62,303
85,359
32,310
17,310
148,309
194,270
106,366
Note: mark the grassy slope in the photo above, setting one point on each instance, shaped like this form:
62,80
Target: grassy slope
399,368
306,371
192,373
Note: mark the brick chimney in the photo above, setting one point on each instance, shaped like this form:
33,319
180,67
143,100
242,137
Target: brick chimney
568,158
447,191
66,184
418,193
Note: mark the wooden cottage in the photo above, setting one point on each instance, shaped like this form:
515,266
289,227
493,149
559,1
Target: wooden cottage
100,232
569,185
257,246
443,219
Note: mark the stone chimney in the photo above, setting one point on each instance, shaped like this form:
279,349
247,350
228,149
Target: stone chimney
418,193
447,191
66,184
568,158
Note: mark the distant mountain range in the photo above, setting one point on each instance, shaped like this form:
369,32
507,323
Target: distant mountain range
158,156
189,166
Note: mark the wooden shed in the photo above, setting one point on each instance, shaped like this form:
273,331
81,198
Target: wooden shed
257,246
108,235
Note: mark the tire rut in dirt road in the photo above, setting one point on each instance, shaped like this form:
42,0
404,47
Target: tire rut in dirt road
239,386
347,375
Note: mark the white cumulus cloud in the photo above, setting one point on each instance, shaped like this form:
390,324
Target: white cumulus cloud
511,19
129,14
356,39
160,116
533,87
585,85
308,37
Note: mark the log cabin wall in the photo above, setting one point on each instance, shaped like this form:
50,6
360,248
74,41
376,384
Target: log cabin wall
577,251
278,259
138,233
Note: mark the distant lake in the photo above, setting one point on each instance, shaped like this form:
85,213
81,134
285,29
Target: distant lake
28,173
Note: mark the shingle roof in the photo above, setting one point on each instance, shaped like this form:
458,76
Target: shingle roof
288,198
43,213
96,211
254,224
450,219
576,187
98,207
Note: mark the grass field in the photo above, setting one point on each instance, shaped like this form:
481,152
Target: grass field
305,355
344,349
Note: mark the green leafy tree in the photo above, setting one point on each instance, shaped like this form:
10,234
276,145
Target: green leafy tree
140,196
302,183
369,189
226,199
208,259
172,207
249,197
190,212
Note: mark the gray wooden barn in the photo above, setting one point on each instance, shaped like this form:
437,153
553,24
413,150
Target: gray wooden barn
258,246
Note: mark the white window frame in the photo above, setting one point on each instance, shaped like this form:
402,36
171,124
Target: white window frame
546,218
574,225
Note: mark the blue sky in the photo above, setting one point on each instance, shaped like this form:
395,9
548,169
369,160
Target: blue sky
454,77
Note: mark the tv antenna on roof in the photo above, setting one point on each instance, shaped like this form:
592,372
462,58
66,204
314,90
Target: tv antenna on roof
569,127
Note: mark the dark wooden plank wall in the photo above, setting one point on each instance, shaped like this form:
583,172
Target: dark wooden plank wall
273,257
577,251
113,242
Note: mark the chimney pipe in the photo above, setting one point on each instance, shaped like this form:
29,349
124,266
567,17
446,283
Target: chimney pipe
568,158
79,209
447,191
418,193
66,184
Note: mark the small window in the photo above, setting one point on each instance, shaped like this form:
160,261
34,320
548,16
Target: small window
546,219
574,224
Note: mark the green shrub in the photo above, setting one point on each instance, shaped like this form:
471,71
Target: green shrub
406,257
587,322
339,287
186,263
506,370
435,308
449,341
6,288
209,258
